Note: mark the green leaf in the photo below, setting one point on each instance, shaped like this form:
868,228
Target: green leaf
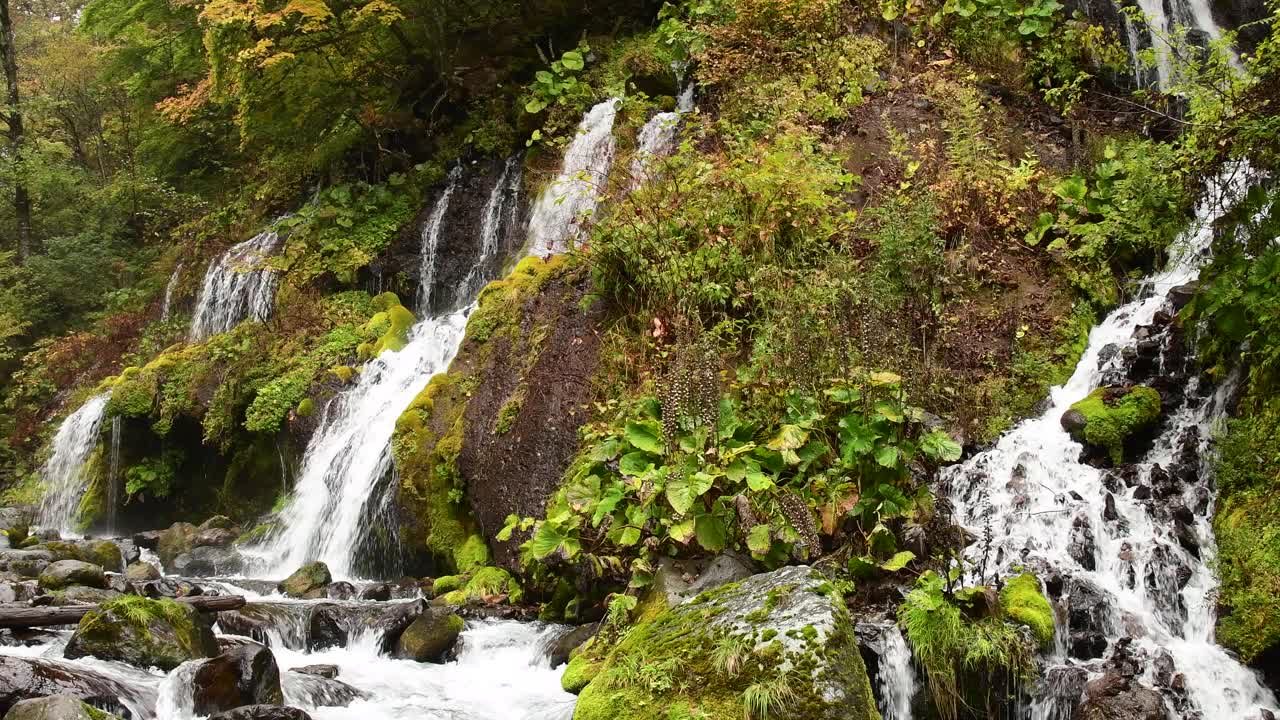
845,396
682,531
759,540
890,410
573,60
898,561
535,106
882,540
789,437
582,493
1044,224
1073,188
758,480
683,491
636,463
606,450
545,77
938,446
887,456
712,532
608,502
645,435
549,539
507,528
626,536
861,566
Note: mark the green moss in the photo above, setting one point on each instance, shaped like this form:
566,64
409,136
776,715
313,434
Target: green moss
1110,420
388,329
306,407
473,554
256,534
1024,603
578,673
508,414
344,373
447,584
96,714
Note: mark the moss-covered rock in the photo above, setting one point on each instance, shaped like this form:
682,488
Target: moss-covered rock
144,633
1025,604
56,707
174,541
64,573
430,636
388,329
580,671
97,552
308,581
1109,416
778,644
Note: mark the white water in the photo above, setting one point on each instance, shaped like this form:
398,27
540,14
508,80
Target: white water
113,473
1161,29
1035,522
64,472
431,242
896,680
501,212
236,287
563,211
166,308
657,139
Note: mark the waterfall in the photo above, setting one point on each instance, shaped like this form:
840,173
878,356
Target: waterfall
113,474
574,194
348,458
236,287
896,677
501,213
1048,511
166,308
64,473
656,140
1161,24
431,242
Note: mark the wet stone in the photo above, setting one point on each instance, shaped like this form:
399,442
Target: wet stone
1082,545
329,672
246,675
376,592
341,590
263,712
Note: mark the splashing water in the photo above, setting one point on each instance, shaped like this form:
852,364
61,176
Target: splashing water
236,287
501,213
656,140
559,214
1037,498
896,679
1161,22
64,473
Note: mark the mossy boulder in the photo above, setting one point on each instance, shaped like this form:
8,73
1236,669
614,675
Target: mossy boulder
447,584
430,636
1110,416
1025,604
388,329
56,707
144,633
580,671
141,572
243,675
175,541
779,644
98,552
308,581
65,573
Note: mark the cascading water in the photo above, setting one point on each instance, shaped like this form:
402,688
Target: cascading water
347,458
656,140
1161,23
431,242
113,473
236,287
166,307
896,680
64,472
1047,510
501,213
562,211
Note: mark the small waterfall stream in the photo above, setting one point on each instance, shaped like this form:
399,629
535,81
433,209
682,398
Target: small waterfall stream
1161,22
557,218
431,242
113,473
64,473
166,307
350,455
236,287
1106,539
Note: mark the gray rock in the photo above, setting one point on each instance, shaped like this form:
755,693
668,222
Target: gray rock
683,580
379,591
559,649
1073,421
318,691
219,522
173,542
245,675
206,560
129,550
140,572
27,563
28,678
83,595
430,636
1116,697
214,537
54,707
72,572
307,581
328,672
341,590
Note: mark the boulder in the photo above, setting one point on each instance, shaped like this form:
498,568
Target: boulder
28,678
96,552
27,563
379,592
341,590
681,580
214,537
1111,415
149,540
16,592
263,712
773,623
173,542
55,707
144,633
15,522
63,573
204,561
83,595
325,628
559,649
318,691
308,581
129,550
219,522
431,636
244,675
1116,697
141,572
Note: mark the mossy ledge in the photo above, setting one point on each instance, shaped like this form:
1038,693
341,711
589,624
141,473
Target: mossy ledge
1110,416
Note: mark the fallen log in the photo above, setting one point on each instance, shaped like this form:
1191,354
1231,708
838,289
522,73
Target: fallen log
22,617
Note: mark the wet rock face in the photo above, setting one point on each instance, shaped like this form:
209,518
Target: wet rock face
140,572
1087,619
245,675
1116,697
144,633
54,707
263,712
26,679
308,581
559,649
204,561
329,672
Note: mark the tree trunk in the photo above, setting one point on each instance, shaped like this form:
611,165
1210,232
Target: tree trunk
13,117
22,617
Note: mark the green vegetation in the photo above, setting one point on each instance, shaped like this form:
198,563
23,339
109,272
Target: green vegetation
970,655
1026,605
1112,415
